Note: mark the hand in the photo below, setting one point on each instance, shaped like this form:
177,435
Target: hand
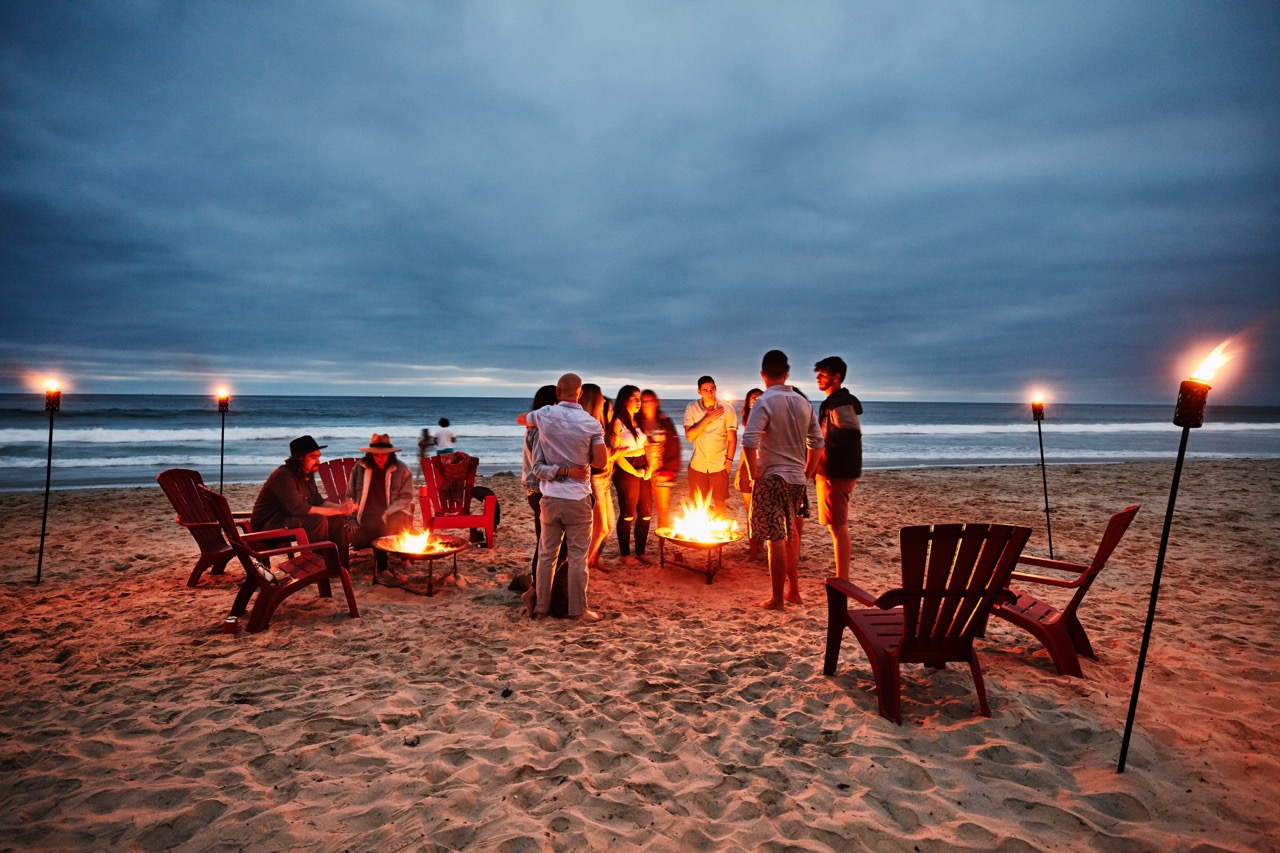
581,473
717,412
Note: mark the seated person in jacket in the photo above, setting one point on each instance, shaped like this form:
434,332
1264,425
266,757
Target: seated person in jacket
382,489
290,499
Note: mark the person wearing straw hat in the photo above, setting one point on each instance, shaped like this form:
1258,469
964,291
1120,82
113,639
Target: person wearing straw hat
382,488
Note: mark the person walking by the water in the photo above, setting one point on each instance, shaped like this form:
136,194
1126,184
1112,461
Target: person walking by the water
572,441
445,438
425,443
840,462
712,427
289,499
781,446
382,487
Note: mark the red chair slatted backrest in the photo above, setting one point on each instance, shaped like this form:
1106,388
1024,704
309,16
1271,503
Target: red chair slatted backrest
335,477
182,487
952,575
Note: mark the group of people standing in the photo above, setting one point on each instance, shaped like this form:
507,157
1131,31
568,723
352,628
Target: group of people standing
578,445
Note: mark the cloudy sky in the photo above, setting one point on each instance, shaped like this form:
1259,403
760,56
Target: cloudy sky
965,200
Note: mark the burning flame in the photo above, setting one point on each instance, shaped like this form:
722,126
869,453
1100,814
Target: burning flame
414,543
1211,363
223,394
1038,399
697,523
51,385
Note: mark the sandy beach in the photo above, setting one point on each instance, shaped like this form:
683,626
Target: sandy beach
689,720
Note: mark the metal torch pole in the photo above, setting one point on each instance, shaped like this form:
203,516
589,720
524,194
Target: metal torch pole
1044,478
1151,607
222,449
48,473
1188,413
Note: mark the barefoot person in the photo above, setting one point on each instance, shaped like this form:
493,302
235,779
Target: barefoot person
781,446
840,464
572,441
290,499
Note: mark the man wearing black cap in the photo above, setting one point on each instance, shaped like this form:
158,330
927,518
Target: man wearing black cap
290,498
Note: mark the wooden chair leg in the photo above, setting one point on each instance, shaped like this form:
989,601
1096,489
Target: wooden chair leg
976,669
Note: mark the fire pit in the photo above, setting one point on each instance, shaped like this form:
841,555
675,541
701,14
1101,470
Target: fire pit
425,546
698,528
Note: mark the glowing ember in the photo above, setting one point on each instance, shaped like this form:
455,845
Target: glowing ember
697,523
1211,363
414,543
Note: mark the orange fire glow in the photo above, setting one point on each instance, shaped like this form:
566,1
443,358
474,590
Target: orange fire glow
1212,362
698,523
414,543
223,394
51,385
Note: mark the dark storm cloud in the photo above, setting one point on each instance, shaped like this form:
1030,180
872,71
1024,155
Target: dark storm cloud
962,199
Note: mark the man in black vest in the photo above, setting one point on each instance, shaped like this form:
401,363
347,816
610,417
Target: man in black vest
840,464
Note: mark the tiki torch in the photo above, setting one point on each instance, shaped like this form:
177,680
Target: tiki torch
1037,412
224,404
52,403
1188,413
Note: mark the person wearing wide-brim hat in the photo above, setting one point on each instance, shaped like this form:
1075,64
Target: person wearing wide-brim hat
382,488
290,499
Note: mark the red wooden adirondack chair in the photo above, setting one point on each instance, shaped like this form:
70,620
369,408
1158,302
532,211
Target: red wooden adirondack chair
335,477
180,487
308,563
952,574
446,498
1060,630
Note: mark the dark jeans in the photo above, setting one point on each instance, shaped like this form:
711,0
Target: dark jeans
635,508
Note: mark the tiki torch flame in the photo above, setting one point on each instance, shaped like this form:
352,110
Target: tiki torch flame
1211,363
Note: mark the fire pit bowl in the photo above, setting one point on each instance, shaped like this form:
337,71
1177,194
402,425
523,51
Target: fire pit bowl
439,545
714,549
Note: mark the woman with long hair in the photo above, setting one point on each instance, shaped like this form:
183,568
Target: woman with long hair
382,487
596,404
743,481
631,474
531,466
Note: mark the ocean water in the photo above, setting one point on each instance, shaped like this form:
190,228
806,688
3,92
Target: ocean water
125,440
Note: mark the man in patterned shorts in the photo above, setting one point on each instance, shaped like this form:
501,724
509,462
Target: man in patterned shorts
781,446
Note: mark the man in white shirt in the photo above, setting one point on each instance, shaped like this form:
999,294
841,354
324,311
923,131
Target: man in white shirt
781,446
713,429
573,441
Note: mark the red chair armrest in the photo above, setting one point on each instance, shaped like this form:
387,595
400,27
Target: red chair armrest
198,525
1046,563
322,545
297,534
851,590
1026,578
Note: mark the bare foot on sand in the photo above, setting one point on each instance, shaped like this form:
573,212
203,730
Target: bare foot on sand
793,597
588,616
628,560
771,603
644,560
530,599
